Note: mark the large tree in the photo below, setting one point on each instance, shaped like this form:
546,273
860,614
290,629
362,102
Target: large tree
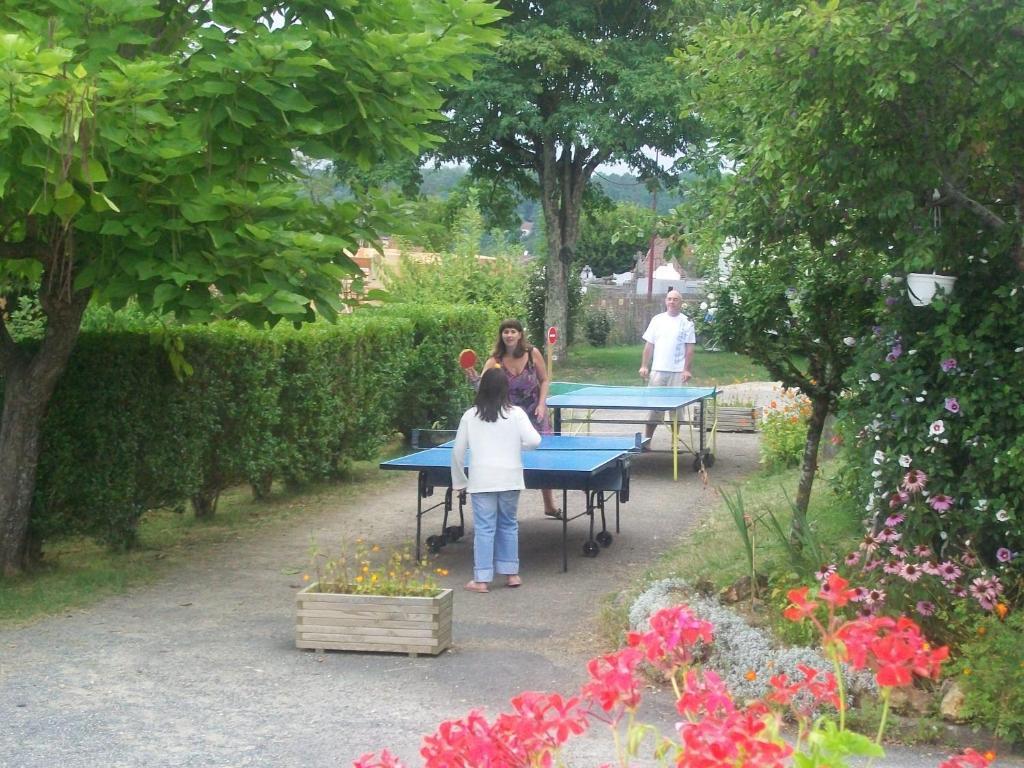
572,86
149,152
861,133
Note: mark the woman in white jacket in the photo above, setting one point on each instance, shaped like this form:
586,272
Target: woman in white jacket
496,432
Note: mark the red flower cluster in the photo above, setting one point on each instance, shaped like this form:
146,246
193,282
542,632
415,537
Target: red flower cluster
894,649
672,638
715,732
969,759
807,695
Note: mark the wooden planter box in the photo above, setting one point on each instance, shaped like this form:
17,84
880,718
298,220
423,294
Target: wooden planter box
413,625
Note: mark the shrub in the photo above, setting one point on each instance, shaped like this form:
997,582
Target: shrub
936,391
991,667
784,430
597,325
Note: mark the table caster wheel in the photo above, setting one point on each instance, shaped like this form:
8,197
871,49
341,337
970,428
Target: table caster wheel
453,532
604,539
434,544
590,549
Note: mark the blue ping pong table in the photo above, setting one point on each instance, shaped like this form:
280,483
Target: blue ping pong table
596,465
671,399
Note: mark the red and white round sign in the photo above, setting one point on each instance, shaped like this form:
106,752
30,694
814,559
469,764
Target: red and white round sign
552,335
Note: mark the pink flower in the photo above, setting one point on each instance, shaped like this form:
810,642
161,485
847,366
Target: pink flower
940,502
925,608
937,427
852,559
922,550
949,571
952,405
948,364
910,572
1003,555
914,481
893,520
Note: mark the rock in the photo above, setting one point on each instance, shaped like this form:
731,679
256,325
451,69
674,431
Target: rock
740,590
952,705
911,701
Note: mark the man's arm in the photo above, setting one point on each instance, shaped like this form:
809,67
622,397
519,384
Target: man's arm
645,360
686,363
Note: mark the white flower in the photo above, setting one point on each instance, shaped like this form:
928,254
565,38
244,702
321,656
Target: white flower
1002,515
912,352
919,399
937,427
879,457
875,376
877,472
905,460
982,505
704,305
850,341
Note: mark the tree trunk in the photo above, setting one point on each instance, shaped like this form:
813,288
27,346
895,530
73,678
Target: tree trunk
815,427
29,382
563,179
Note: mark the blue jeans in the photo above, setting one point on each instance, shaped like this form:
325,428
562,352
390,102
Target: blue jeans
495,534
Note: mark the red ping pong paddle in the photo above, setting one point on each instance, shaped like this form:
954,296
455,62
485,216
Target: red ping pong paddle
467,359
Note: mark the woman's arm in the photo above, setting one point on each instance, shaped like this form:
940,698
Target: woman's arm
458,464
542,378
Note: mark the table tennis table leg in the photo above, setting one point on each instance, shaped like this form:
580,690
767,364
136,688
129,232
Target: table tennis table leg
675,444
558,421
565,530
419,513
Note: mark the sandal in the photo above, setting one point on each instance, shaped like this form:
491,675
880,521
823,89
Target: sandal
513,581
476,586
554,513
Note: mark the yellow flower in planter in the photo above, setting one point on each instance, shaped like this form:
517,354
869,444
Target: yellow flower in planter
365,569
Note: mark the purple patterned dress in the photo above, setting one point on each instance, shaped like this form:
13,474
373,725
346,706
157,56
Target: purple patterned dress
524,391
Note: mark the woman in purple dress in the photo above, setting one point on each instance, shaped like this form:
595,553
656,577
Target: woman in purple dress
528,383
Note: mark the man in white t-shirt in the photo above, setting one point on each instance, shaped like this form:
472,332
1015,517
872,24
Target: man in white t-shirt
668,352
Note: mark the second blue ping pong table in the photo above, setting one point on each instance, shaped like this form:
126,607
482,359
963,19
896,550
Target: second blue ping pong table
596,465
590,398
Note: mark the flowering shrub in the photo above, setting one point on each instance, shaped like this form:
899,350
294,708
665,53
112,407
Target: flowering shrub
990,671
744,656
784,430
935,444
714,730
366,569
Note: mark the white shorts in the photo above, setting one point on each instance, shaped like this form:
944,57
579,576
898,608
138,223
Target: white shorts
662,379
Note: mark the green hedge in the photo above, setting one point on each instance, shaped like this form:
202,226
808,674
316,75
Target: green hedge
434,391
123,435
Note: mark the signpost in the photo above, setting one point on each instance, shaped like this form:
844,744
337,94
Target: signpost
552,340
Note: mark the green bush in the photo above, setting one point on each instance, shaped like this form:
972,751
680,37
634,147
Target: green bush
936,390
127,432
991,675
597,325
338,396
432,389
784,432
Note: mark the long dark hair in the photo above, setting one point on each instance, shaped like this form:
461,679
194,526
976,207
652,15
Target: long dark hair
499,346
492,396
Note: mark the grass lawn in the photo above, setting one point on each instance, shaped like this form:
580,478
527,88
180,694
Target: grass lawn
619,365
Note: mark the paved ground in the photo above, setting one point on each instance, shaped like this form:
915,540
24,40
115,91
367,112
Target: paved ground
200,669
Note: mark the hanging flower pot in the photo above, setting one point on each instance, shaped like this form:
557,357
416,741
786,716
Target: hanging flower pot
922,286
